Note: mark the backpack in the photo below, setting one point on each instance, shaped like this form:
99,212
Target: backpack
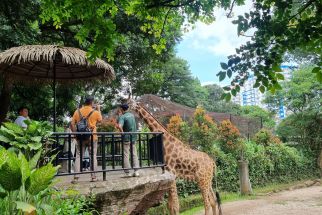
82,126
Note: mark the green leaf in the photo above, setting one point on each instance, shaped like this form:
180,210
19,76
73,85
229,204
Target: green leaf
316,70
34,160
262,89
14,127
276,68
233,92
34,146
224,66
10,173
228,97
319,76
25,207
3,156
279,76
41,179
36,139
229,73
4,139
237,88
222,76
257,84
3,193
24,166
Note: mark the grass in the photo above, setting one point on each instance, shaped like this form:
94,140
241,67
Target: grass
229,197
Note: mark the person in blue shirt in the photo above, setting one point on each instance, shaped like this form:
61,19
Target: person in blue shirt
127,123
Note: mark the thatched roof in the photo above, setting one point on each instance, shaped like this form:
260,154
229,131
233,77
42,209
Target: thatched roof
37,62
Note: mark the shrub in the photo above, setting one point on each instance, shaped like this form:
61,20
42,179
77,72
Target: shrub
265,137
37,137
204,131
230,138
108,125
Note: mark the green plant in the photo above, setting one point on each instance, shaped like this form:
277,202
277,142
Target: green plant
28,141
24,188
265,137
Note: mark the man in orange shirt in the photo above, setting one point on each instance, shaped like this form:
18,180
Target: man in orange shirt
93,117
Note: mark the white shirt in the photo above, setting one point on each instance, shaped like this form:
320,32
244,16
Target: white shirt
20,121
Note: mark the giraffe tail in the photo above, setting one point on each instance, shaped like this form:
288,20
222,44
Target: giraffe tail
218,202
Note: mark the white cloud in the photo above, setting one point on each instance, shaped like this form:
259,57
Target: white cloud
220,37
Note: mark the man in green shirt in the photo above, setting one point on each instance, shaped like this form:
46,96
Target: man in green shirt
127,123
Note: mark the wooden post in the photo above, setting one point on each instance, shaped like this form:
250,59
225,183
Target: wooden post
245,186
5,97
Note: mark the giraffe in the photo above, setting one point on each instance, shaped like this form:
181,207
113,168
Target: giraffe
183,162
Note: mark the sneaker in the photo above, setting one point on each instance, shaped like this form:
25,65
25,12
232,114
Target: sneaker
136,174
128,174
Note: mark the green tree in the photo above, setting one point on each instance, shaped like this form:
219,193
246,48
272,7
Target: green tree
256,111
302,97
281,27
214,103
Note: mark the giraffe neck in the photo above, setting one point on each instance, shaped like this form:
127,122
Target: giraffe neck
156,126
153,124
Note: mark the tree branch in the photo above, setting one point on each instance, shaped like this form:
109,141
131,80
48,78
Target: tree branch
231,9
308,4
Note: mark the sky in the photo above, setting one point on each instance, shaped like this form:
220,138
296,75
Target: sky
206,46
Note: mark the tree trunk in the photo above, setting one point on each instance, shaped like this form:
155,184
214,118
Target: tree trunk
5,98
245,186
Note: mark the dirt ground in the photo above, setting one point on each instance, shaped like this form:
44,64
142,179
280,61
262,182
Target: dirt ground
305,201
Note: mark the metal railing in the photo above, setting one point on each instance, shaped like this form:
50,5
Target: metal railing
110,151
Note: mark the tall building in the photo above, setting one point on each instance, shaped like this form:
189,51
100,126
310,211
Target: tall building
252,96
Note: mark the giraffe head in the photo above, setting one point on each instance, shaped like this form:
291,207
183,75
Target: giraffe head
132,104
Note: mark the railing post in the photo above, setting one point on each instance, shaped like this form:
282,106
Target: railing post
69,153
113,152
131,150
162,155
92,153
122,141
103,157
81,155
140,152
148,148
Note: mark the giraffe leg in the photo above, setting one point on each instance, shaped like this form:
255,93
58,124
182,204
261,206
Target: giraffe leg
204,188
173,200
212,200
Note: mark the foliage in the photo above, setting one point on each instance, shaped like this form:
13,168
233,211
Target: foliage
280,27
74,204
256,111
179,128
109,125
25,187
302,96
204,131
279,163
28,141
155,19
229,137
304,128
179,85
214,103
265,137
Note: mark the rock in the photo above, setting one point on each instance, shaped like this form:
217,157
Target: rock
127,195
309,183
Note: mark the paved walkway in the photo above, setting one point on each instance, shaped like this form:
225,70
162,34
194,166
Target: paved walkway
305,201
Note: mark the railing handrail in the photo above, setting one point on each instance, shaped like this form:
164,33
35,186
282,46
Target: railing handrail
137,132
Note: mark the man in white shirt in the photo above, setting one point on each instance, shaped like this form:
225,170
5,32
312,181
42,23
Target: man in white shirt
23,115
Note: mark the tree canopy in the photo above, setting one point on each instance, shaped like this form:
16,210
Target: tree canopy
281,27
